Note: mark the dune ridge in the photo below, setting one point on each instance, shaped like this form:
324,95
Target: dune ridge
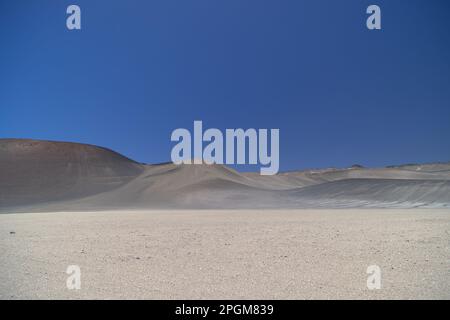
61,176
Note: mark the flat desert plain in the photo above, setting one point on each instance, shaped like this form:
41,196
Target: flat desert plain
226,254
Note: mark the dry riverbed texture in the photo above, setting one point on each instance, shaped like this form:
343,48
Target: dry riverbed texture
226,254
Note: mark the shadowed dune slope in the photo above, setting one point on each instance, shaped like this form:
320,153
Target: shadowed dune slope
58,176
34,171
374,193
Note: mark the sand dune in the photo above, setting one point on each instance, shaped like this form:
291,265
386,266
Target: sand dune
389,193
56,176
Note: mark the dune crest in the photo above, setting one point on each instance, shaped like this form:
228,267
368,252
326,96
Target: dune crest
55,176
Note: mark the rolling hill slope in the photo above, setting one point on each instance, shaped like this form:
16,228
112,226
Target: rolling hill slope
57,176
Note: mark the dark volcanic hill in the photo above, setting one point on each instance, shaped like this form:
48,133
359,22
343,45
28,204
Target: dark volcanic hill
34,171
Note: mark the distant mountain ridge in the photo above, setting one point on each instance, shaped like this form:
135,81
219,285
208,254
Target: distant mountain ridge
40,175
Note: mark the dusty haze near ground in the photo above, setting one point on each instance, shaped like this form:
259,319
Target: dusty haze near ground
226,254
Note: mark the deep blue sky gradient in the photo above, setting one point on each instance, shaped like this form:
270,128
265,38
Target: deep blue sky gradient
137,70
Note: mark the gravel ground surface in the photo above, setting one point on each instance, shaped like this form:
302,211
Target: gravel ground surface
226,254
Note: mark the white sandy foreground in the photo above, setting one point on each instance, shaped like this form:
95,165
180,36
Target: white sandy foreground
240,254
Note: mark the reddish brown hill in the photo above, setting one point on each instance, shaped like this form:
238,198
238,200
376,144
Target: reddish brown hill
34,171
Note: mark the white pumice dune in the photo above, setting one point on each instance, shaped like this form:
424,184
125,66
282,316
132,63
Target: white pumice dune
226,254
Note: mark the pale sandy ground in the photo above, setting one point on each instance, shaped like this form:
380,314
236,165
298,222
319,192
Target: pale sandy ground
259,254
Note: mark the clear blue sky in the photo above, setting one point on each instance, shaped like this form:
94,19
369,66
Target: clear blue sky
339,93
